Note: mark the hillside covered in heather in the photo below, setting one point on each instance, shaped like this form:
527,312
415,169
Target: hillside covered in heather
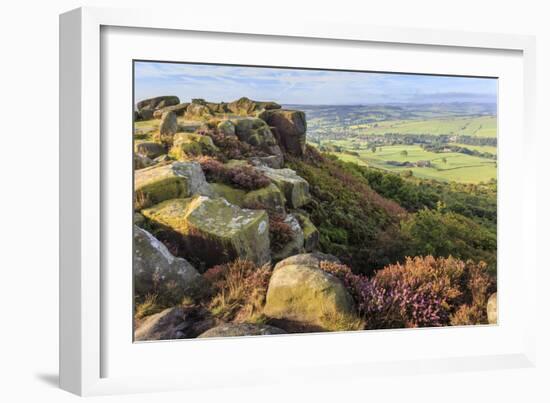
243,228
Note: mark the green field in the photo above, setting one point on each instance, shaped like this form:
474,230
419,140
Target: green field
482,149
458,167
481,126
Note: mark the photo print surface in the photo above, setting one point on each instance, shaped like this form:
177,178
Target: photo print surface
271,201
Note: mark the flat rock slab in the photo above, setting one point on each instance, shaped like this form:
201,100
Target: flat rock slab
176,180
214,230
241,329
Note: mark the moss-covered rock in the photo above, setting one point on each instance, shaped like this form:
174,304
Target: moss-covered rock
146,114
188,145
167,128
198,111
294,187
275,161
296,243
241,329
308,295
157,272
149,149
231,194
254,131
141,162
157,102
311,233
213,230
271,197
291,128
163,182
492,309
226,127
139,220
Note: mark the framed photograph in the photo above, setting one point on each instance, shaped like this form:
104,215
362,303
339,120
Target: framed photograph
316,197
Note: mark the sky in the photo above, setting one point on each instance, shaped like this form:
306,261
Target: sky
306,87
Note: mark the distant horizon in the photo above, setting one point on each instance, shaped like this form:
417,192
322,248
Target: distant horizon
217,83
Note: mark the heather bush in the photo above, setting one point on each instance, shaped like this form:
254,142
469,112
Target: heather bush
245,177
231,148
239,291
424,291
280,233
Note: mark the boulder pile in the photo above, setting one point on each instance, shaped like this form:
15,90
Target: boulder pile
211,189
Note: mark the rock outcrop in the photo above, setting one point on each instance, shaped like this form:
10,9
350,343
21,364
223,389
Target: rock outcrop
246,107
254,131
492,309
156,271
290,128
198,110
179,110
149,149
227,127
271,197
307,295
176,180
141,162
145,114
214,230
167,128
157,102
188,145
174,323
311,233
241,329
294,187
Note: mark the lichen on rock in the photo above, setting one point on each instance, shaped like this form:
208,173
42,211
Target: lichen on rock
254,131
294,187
188,145
175,180
309,295
213,230
158,272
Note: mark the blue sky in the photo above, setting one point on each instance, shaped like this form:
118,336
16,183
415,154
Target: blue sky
291,86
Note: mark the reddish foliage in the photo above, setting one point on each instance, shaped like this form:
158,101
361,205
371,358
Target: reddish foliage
245,177
424,291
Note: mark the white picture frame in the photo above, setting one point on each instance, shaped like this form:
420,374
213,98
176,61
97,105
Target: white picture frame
84,198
